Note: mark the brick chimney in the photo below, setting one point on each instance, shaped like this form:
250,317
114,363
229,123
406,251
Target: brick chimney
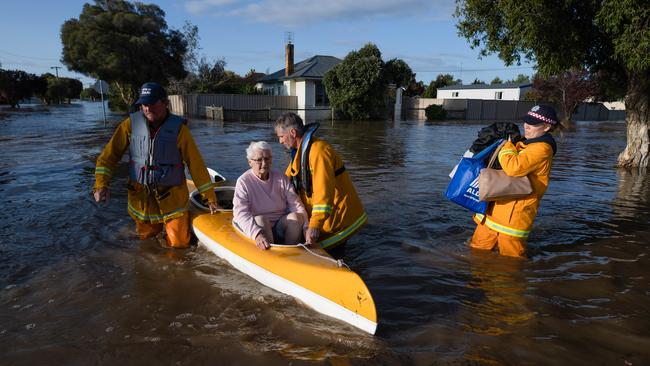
288,59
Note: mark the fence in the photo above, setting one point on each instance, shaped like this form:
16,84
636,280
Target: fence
413,108
234,105
500,110
597,112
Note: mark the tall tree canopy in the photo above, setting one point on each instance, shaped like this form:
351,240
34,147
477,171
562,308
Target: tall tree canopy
566,90
398,72
17,84
60,89
442,80
610,38
124,43
356,85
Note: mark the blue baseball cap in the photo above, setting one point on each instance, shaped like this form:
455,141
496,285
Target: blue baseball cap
150,93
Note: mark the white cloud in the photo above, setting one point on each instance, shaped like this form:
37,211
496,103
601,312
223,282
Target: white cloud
300,12
200,6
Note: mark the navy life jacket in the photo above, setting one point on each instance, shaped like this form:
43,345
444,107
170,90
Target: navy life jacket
156,162
303,178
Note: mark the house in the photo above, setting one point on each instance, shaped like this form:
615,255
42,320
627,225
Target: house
304,80
508,91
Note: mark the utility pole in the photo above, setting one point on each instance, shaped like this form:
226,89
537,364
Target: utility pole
56,70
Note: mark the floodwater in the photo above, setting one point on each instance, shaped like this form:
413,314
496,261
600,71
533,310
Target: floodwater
78,288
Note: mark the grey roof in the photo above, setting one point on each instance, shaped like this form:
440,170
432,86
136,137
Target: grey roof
487,86
312,68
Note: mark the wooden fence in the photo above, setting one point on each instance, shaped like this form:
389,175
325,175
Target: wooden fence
194,105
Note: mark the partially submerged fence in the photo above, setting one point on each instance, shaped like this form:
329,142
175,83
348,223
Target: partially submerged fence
500,110
236,107
233,106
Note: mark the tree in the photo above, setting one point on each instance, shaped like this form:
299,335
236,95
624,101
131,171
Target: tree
398,72
56,90
441,81
210,76
126,44
520,79
17,84
356,85
566,90
496,80
478,81
610,38
60,89
90,94
191,61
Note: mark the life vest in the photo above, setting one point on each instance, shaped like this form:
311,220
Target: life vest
156,161
303,178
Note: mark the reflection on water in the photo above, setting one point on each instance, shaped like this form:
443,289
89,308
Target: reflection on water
77,287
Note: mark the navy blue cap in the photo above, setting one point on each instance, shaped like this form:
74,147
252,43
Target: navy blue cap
150,93
541,114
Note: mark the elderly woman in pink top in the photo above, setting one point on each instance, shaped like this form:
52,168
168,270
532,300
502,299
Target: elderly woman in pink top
266,207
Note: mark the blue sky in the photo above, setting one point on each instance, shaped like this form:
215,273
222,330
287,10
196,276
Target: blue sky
250,34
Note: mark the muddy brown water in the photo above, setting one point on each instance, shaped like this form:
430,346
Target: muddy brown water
78,288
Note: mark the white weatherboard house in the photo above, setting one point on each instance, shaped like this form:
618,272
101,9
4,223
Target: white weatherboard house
304,80
509,91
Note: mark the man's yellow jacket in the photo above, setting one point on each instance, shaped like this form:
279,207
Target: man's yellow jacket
334,206
532,158
150,205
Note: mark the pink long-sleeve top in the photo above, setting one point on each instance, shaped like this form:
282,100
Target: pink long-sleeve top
271,198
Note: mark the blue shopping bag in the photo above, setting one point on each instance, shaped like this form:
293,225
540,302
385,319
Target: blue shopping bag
463,188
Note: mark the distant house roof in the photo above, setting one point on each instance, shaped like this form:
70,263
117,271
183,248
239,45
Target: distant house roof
487,86
254,77
311,68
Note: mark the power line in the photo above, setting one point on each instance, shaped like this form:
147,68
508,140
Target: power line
477,70
8,61
30,57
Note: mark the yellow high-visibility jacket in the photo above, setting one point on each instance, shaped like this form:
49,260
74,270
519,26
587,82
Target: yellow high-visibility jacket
532,158
144,205
334,206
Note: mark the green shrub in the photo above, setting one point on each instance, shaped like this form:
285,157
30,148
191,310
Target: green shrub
435,112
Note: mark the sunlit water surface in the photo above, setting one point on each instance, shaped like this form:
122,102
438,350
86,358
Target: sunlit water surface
78,288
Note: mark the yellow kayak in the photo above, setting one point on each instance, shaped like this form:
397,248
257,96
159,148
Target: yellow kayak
311,276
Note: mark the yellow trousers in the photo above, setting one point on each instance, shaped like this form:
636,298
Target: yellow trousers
485,238
178,231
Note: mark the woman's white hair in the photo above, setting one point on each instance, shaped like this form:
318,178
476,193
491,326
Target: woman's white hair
255,146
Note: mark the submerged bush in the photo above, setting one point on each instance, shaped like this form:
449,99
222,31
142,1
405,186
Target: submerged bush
435,112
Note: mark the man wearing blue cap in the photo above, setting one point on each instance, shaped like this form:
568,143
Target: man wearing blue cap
160,147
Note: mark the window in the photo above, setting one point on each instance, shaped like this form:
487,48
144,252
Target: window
321,99
454,94
498,95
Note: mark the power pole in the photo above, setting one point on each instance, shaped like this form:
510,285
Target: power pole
56,69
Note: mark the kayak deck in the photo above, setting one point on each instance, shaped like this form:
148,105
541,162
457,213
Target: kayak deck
318,282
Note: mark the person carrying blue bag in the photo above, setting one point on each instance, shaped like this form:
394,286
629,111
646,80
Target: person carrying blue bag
463,188
506,224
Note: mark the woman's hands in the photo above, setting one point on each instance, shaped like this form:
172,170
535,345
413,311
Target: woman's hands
262,242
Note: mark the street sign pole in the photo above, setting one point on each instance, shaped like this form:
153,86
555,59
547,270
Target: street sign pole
101,93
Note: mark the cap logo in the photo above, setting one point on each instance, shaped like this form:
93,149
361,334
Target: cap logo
535,108
145,91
